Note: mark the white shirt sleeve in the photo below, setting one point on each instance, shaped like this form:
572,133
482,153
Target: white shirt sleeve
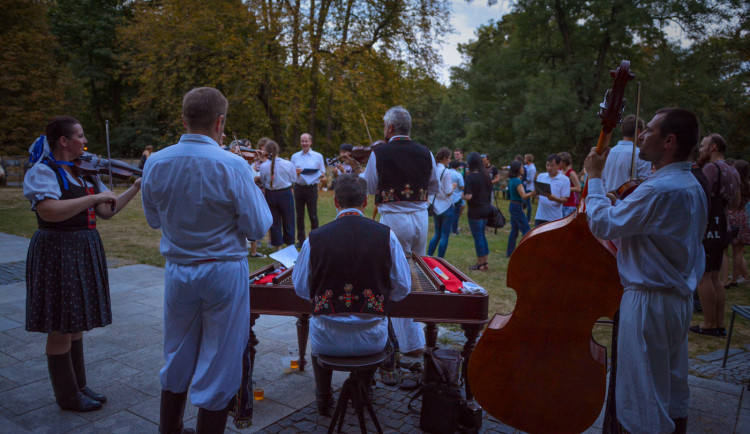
254,216
371,175
400,272
301,272
433,185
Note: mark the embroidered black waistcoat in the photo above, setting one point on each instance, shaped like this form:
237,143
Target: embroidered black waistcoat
404,168
84,220
350,262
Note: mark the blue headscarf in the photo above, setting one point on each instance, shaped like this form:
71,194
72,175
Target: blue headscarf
39,152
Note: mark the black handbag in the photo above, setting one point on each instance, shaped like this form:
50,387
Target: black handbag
442,402
496,219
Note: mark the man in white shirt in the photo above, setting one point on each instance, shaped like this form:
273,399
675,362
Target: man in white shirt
620,160
205,216
401,174
550,204
660,260
342,268
310,169
528,185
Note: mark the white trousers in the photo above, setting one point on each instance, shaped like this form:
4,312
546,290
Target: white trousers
652,360
206,329
411,230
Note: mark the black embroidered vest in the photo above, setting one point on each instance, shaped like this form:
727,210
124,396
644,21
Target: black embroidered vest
350,263
404,168
84,220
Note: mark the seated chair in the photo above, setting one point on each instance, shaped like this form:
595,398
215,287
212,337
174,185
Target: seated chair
355,389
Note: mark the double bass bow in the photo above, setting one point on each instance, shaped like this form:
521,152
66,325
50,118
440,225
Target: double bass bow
538,369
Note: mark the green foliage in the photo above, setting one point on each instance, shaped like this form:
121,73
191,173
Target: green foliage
534,79
31,80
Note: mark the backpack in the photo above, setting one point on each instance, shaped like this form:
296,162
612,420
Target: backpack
443,408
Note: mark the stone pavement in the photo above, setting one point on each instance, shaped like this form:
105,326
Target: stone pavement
123,361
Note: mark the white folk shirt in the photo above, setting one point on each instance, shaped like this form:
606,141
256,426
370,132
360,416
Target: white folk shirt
204,200
284,174
617,168
309,160
442,200
371,176
351,334
661,227
549,210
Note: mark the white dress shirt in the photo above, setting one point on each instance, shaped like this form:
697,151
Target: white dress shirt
371,176
309,160
617,168
443,197
351,334
204,200
284,174
661,227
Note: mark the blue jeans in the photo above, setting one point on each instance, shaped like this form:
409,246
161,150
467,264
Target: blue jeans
518,223
567,210
456,215
443,223
480,241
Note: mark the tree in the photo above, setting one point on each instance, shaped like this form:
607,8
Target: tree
534,79
33,87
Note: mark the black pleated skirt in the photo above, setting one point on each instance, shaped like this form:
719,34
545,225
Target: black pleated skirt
67,286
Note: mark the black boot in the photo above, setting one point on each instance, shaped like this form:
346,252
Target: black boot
170,413
680,425
323,391
67,394
211,422
79,367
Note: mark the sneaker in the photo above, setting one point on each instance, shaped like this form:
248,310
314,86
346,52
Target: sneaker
257,255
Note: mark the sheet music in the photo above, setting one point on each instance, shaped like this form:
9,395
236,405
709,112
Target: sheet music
287,256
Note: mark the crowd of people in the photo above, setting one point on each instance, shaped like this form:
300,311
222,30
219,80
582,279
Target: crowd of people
672,233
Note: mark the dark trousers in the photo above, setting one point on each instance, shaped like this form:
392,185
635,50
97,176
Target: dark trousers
281,204
306,195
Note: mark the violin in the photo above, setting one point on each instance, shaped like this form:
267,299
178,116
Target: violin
538,369
90,164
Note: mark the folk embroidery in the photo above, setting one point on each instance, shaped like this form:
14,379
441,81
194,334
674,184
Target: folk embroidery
323,302
373,302
348,297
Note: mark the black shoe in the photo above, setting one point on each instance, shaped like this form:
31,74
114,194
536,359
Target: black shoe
298,245
171,410
211,422
67,394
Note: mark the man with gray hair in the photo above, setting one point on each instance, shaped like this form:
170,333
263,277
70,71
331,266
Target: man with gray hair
204,219
401,175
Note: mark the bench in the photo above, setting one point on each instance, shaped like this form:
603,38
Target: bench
743,311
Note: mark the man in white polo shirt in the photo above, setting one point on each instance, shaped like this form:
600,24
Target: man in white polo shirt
550,205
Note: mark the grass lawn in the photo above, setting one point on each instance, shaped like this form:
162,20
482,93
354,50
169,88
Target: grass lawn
128,237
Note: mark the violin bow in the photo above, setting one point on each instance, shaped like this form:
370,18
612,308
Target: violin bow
635,139
109,161
109,156
366,128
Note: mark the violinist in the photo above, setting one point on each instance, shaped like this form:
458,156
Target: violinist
66,275
617,170
204,215
277,177
660,261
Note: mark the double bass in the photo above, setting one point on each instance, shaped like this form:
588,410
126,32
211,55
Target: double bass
538,369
